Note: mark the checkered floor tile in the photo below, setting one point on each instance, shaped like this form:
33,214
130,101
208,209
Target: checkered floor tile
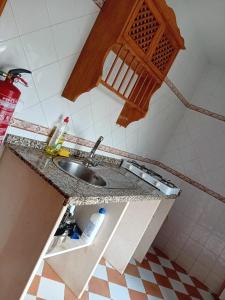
155,278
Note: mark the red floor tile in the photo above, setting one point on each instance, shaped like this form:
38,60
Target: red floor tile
171,273
199,284
163,281
68,295
160,253
178,268
215,297
182,296
100,287
137,295
132,270
49,273
153,258
144,265
115,277
34,285
102,261
192,291
152,289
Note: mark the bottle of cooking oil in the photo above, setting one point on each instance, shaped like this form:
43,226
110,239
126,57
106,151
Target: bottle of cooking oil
57,138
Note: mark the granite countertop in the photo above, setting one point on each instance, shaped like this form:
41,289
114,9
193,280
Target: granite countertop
79,192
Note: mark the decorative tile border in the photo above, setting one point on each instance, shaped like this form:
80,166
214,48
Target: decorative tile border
21,124
186,103
187,179
83,142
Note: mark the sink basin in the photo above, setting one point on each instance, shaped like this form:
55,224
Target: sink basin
77,170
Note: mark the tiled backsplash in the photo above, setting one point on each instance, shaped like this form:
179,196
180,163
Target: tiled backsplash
194,234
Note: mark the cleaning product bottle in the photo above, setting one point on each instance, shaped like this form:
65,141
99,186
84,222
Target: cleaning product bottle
57,139
93,226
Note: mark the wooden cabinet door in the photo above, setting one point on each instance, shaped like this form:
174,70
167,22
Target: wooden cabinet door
2,5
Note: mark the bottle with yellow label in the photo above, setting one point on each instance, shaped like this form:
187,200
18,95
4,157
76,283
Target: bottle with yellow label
57,138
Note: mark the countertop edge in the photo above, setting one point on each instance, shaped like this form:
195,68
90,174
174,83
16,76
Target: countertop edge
92,200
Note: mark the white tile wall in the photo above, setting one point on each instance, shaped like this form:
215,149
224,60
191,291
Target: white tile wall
48,81
197,149
12,54
210,93
61,11
39,48
48,42
67,38
30,15
190,63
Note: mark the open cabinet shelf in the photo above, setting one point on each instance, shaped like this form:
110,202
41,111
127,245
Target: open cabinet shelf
77,267
67,246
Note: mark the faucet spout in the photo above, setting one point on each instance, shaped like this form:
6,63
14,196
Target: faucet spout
93,150
89,160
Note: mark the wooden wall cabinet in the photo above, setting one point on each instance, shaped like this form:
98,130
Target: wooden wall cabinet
2,5
144,39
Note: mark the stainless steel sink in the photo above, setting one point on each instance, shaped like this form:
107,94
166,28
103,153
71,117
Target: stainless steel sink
75,169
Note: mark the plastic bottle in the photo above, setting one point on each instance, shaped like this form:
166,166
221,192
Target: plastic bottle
57,139
93,226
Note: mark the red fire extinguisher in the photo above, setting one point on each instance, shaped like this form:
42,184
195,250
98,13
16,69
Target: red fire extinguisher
9,96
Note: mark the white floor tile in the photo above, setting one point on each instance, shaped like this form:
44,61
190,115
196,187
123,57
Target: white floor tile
168,293
134,283
118,292
133,262
185,278
178,286
157,268
40,269
101,272
165,263
147,275
206,295
50,290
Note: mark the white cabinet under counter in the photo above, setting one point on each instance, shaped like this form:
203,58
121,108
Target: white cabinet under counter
30,210
34,198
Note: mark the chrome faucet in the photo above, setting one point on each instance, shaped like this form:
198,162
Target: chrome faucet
90,159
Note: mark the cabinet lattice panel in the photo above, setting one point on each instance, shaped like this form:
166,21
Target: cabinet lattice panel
144,28
163,53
